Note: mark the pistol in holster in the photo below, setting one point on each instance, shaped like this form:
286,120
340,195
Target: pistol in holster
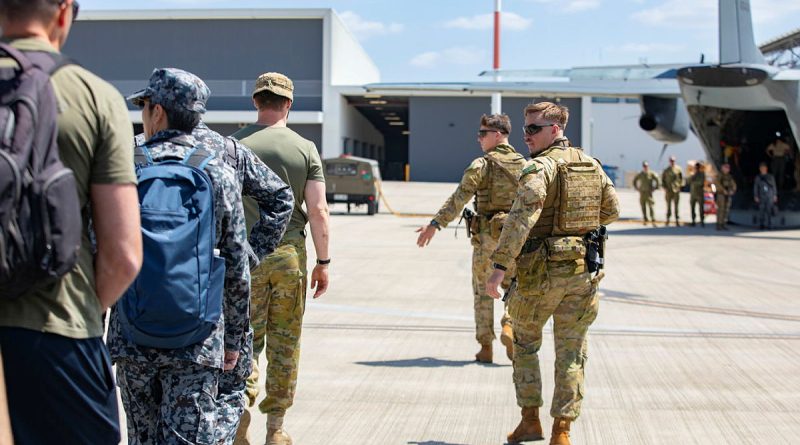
595,249
468,215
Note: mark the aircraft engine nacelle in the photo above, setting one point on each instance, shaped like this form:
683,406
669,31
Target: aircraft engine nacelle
664,119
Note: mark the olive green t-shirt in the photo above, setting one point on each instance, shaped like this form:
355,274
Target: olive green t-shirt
95,140
291,157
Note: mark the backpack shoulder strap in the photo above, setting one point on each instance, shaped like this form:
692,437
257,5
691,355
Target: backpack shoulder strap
49,62
198,158
23,61
231,152
141,156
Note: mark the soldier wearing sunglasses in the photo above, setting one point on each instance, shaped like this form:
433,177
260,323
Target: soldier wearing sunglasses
492,180
563,196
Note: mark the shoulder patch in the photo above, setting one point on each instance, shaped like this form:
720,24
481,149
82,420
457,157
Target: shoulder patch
532,167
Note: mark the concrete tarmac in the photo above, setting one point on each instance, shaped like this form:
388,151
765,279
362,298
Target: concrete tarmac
697,340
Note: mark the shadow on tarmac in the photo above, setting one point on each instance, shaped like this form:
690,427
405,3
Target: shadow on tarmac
634,227
434,442
429,362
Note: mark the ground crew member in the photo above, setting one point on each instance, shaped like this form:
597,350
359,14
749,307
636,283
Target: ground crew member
672,181
169,395
564,196
697,191
56,365
279,282
779,153
726,187
765,194
646,182
492,180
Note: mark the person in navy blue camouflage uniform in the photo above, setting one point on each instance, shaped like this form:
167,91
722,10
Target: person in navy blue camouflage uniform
169,395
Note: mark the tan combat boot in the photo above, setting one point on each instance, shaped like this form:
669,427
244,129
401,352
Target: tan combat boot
485,354
560,435
242,434
529,428
507,339
275,432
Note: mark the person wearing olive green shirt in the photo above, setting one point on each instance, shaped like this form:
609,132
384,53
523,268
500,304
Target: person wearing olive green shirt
672,181
57,369
696,191
279,282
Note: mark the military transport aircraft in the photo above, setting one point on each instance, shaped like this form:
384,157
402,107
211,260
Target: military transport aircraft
735,107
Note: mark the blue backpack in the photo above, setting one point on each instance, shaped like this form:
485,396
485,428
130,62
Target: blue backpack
177,298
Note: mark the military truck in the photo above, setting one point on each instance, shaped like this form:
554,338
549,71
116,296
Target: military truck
352,180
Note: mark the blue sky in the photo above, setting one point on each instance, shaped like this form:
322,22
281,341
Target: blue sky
451,40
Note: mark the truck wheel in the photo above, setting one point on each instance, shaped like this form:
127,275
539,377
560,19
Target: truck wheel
372,208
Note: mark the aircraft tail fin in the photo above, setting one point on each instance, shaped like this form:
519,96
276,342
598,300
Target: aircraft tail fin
736,41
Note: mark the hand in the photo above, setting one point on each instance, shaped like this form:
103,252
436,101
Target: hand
757,200
319,279
494,282
231,357
426,233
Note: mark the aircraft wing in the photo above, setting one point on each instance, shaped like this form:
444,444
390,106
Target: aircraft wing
599,88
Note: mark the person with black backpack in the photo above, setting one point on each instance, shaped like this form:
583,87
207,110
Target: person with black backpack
65,160
184,319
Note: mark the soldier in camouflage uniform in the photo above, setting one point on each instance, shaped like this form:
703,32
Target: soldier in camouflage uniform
672,181
563,195
726,187
280,281
169,394
696,191
646,182
765,194
492,180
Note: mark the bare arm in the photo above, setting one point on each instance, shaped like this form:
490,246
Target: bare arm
115,215
317,208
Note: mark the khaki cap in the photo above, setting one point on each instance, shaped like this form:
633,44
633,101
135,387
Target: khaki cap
275,83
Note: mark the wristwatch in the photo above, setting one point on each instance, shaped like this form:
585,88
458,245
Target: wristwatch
434,223
500,267
323,262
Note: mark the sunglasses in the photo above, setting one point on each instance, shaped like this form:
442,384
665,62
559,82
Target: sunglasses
532,129
483,133
75,8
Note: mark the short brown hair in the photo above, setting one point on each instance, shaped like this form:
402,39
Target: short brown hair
558,114
499,122
26,10
269,100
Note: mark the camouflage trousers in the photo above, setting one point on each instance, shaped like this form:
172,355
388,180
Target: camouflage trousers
723,209
673,198
231,394
647,202
277,304
483,246
697,202
168,404
565,291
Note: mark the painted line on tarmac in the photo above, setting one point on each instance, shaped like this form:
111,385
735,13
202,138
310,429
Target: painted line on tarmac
602,330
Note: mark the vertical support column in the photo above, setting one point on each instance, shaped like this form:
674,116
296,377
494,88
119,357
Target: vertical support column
497,98
587,125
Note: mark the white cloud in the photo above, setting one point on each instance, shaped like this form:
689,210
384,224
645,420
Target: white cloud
704,14
645,48
572,5
364,29
458,55
768,11
509,21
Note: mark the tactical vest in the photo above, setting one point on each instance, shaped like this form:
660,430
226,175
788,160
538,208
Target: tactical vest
499,188
574,197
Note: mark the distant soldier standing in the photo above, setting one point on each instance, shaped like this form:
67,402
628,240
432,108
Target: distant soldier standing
726,187
492,179
563,198
765,194
672,181
696,190
779,153
646,182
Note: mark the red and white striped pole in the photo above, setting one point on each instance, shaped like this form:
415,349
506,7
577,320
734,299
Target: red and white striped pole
496,96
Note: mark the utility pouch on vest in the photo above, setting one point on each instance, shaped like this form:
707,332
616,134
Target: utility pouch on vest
581,192
565,248
496,224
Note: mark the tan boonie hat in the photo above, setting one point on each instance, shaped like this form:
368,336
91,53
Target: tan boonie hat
275,83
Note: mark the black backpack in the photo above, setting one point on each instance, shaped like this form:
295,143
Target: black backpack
40,214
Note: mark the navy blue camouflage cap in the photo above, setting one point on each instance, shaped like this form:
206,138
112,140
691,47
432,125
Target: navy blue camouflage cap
174,88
